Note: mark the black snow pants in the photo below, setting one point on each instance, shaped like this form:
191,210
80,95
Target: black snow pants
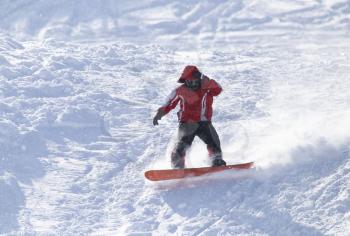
186,134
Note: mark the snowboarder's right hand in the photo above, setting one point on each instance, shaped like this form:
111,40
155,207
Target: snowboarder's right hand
155,120
158,116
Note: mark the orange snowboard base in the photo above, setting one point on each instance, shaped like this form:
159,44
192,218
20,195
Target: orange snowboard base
168,174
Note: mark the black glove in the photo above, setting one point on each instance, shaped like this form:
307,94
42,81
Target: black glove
158,116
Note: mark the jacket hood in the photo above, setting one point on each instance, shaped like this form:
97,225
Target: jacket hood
187,74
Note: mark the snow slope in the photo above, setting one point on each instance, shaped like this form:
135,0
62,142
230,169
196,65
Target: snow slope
80,82
150,19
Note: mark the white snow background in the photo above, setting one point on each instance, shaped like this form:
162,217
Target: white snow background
81,80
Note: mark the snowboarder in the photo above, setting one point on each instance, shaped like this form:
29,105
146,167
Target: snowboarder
195,96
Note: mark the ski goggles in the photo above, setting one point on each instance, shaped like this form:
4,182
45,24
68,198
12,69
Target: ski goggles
193,83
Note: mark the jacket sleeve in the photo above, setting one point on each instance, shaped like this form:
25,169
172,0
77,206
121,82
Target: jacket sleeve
214,87
171,102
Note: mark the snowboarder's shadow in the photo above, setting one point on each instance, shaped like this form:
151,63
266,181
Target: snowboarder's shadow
233,204
19,167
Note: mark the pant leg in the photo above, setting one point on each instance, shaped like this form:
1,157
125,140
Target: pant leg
186,134
210,137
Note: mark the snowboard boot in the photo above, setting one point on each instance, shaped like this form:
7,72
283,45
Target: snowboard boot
218,162
177,161
178,164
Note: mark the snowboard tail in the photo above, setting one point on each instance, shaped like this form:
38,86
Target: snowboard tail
169,174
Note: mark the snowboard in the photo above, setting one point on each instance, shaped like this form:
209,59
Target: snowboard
169,174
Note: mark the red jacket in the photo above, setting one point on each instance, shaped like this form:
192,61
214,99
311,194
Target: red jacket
194,105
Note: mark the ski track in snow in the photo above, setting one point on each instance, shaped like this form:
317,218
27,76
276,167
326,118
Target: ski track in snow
79,92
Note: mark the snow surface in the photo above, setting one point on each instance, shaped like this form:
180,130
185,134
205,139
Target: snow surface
81,80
